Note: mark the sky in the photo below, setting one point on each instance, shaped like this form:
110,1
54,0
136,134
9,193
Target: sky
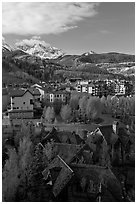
73,27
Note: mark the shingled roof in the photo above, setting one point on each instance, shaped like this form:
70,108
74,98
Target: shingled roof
97,174
21,92
67,151
107,131
17,93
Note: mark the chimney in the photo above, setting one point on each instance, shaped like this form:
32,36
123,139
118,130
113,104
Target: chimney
115,127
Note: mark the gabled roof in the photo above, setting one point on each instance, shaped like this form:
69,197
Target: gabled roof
84,153
17,93
92,173
66,151
69,137
107,131
52,135
21,92
36,85
99,174
62,177
34,91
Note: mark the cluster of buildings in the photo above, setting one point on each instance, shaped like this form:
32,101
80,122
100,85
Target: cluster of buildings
104,87
23,102
81,167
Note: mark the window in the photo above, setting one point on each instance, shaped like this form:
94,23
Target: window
31,101
17,107
23,102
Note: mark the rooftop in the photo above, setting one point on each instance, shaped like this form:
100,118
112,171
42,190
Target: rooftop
21,92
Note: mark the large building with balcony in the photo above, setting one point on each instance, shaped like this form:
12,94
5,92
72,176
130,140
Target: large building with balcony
23,102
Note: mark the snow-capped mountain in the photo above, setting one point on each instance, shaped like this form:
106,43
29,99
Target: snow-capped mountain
39,48
5,46
89,53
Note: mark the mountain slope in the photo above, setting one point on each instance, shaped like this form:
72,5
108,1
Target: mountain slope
38,59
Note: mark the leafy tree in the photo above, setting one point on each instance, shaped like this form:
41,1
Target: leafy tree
83,105
25,156
57,104
37,165
25,153
66,112
50,151
103,102
50,114
109,104
10,177
74,102
114,104
94,108
44,111
132,105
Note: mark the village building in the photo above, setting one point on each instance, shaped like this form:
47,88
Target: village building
41,90
111,145
23,103
62,96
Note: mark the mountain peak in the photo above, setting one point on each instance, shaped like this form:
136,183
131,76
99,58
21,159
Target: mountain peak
39,48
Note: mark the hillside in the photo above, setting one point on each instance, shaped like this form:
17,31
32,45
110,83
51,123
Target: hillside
24,65
110,57
12,74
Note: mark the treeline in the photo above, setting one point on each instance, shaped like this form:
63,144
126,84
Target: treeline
23,161
90,108
107,58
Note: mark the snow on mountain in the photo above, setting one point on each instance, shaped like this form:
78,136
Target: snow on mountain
5,46
39,48
89,53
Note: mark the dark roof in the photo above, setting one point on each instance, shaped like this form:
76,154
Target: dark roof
94,173
63,176
107,132
99,174
20,92
51,135
83,153
69,137
17,93
66,151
